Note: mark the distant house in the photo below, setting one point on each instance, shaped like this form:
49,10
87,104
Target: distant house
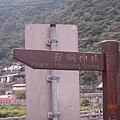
12,69
18,87
100,86
86,89
14,73
7,78
12,78
18,78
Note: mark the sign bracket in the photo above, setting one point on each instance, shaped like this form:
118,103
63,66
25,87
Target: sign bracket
50,115
49,41
50,78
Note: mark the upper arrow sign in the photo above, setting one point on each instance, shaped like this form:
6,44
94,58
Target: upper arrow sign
60,60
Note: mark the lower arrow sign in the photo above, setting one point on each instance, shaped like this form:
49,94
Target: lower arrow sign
60,60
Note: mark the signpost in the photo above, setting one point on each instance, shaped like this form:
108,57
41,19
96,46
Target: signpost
107,62
41,59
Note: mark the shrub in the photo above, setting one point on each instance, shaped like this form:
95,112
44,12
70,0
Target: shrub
85,102
12,110
21,94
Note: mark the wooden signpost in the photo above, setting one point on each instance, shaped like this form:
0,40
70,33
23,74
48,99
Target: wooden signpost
39,59
111,82
107,62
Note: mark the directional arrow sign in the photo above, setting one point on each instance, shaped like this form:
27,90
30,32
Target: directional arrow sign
60,60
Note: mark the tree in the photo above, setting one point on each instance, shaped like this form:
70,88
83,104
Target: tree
85,102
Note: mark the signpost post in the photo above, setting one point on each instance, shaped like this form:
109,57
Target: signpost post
107,62
111,82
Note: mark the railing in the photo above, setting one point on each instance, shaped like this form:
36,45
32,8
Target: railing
14,118
17,101
86,115
96,116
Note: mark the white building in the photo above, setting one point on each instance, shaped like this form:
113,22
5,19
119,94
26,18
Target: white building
12,68
18,87
7,78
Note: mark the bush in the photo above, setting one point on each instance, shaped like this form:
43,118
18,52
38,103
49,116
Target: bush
3,114
21,94
85,102
12,110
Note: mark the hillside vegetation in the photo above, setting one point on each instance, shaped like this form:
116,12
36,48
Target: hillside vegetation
97,20
13,17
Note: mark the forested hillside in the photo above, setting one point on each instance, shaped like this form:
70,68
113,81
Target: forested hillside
97,20
14,14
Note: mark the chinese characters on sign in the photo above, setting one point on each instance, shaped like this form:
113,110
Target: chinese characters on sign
78,61
40,59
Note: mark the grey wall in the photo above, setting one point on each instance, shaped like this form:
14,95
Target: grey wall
38,89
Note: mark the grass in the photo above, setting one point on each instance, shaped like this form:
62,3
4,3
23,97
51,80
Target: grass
89,107
83,108
12,110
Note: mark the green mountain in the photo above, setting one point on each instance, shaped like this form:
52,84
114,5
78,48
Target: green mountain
14,14
97,20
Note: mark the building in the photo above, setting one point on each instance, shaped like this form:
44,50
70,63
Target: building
18,78
7,78
16,87
11,69
100,86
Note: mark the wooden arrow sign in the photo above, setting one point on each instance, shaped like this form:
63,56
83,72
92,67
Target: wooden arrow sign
60,60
